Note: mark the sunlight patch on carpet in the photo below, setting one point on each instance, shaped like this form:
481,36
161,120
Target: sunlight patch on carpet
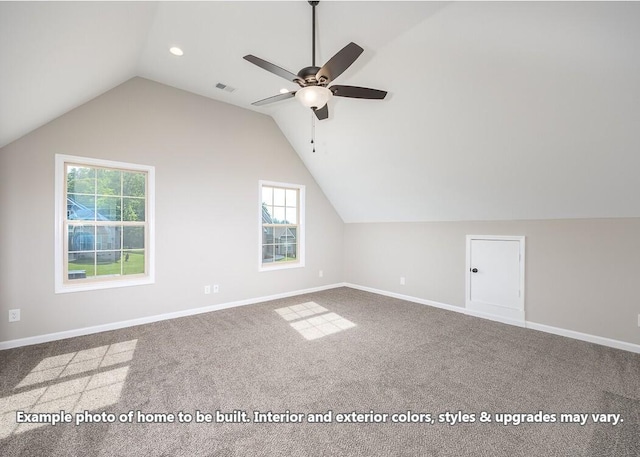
73,363
87,393
314,327
290,313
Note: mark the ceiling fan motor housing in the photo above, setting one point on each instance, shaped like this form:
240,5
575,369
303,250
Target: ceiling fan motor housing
308,74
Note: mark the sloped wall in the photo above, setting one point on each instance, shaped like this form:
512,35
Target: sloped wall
208,157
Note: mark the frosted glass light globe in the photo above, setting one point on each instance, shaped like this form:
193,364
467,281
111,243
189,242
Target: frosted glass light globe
314,96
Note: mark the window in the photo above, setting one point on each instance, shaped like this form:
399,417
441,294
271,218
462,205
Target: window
104,224
281,225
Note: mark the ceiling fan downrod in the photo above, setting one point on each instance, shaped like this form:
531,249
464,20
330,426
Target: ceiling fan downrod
313,4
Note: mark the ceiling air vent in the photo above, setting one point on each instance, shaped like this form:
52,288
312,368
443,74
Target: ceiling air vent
225,87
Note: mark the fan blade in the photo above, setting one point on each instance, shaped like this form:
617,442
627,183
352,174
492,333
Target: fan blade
275,98
276,70
339,63
322,113
358,92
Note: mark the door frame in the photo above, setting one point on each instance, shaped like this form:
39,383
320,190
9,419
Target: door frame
495,312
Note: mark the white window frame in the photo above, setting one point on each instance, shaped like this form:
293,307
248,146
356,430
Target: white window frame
299,263
60,254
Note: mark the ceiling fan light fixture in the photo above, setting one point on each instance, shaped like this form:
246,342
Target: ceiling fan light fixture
314,80
314,96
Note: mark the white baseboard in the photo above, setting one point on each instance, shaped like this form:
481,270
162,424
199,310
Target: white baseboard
149,319
493,317
631,347
422,301
617,344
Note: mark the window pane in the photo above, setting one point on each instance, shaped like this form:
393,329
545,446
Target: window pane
267,214
285,252
108,263
81,180
278,215
81,207
109,208
278,196
134,184
81,238
133,238
107,237
292,215
133,262
277,232
287,236
290,251
267,196
133,209
292,197
267,253
283,234
109,182
81,265
267,235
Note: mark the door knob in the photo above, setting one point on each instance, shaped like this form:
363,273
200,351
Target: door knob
474,270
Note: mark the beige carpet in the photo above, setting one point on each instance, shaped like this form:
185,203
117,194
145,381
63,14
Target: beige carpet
340,350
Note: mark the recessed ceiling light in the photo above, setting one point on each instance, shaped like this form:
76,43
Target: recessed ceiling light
176,51
284,91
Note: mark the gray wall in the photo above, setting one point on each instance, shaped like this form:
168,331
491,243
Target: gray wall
581,274
209,157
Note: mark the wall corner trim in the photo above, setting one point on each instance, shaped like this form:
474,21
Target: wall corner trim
602,341
10,344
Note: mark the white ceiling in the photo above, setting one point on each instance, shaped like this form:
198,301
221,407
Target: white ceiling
495,110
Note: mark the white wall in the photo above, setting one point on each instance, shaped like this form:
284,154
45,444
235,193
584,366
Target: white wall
581,274
496,111
209,157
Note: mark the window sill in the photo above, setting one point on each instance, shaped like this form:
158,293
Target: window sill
99,285
277,266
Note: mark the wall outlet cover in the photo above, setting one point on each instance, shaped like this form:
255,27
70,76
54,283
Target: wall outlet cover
14,315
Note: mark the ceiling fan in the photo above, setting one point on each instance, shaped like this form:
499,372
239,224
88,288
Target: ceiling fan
313,80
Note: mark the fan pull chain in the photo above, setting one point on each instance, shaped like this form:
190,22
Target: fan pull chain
313,132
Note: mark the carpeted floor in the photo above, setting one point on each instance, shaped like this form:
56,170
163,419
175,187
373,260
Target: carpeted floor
343,350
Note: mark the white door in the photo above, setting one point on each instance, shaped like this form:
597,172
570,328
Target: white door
495,277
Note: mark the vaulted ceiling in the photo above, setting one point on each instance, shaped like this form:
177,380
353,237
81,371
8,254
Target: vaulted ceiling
495,110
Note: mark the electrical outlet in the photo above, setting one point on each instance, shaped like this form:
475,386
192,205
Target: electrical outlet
14,315
321,273
216,288
207,290
402,280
